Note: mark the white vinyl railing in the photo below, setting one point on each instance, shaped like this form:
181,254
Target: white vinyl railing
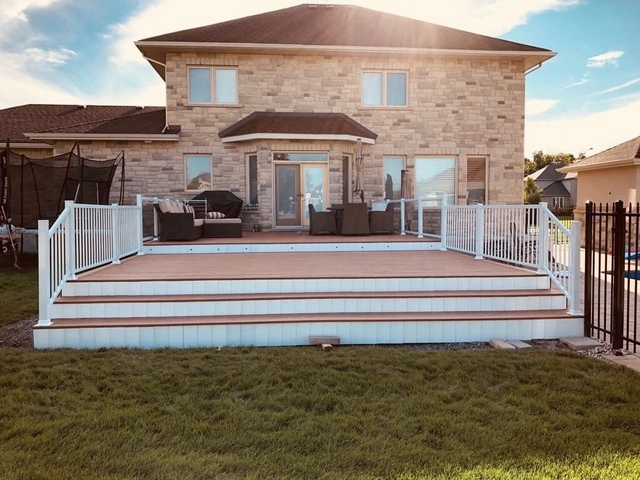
83,237
524,235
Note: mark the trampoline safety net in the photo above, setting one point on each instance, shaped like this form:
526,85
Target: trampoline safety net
36,189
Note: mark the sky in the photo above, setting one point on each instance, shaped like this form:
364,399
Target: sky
580,102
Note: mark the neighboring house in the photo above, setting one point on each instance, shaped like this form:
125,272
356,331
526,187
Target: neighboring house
608,176
559,190
274,107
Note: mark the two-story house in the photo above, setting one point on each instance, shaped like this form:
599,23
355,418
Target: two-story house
276,107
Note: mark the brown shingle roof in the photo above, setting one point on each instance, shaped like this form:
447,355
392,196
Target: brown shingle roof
334,26
625,153
40,118
297,124
340,25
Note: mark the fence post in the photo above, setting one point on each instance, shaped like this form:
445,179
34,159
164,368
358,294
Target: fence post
574,274
402,220
543,238
71,238
420,218
115,234
617,303
44,273
443,223
140,224
155,218
588,269
479,209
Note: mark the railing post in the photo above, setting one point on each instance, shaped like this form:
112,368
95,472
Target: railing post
617,288
574,274
115,234
443,223
479,208
588,268
402,219
140,224
70,239
420,218
44,273
155,219
543,238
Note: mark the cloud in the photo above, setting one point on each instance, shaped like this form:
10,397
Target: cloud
577,132
608,58
537,106
14,19
619,87
582,81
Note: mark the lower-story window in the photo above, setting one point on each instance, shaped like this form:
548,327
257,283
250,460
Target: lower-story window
252,181
476,180
435,177
558,202
197,170
392,173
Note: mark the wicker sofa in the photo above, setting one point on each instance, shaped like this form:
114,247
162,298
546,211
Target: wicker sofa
177,222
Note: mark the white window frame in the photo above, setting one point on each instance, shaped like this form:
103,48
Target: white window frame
384,101
213,93
188,180
557,202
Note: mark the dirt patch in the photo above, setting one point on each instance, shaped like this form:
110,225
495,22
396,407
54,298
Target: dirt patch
18,334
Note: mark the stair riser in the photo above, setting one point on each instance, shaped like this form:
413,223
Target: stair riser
307,306
213,287
292,247
279,334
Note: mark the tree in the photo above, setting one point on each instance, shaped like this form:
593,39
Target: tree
532,194
541,160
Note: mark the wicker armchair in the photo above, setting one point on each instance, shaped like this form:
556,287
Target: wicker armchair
381,221
355,220
321,222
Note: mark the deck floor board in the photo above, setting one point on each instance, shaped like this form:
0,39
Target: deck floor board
302,265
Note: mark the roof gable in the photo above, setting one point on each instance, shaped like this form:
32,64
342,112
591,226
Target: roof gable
627,153
297,125
550,173
346,27
79,119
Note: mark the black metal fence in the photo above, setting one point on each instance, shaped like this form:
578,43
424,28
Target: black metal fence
612,271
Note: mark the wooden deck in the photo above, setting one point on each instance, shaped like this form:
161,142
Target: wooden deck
240,293
301,265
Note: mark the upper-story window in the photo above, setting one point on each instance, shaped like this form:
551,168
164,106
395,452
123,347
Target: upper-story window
385,89
213,85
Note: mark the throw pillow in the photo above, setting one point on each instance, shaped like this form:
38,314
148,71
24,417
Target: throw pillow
164,206
215,215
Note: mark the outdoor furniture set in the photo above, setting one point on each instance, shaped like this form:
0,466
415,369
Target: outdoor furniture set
177,221
351,219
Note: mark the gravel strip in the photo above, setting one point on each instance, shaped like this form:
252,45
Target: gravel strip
19,335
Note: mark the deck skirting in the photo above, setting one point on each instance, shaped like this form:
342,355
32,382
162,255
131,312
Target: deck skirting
295,334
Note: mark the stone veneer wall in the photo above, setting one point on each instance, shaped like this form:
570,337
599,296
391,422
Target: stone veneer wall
457,107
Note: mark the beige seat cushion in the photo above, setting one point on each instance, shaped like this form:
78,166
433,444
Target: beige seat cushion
222,220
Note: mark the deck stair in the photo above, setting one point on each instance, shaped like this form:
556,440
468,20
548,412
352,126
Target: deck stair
273,299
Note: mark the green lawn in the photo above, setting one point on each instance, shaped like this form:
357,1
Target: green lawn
19,288
301,413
